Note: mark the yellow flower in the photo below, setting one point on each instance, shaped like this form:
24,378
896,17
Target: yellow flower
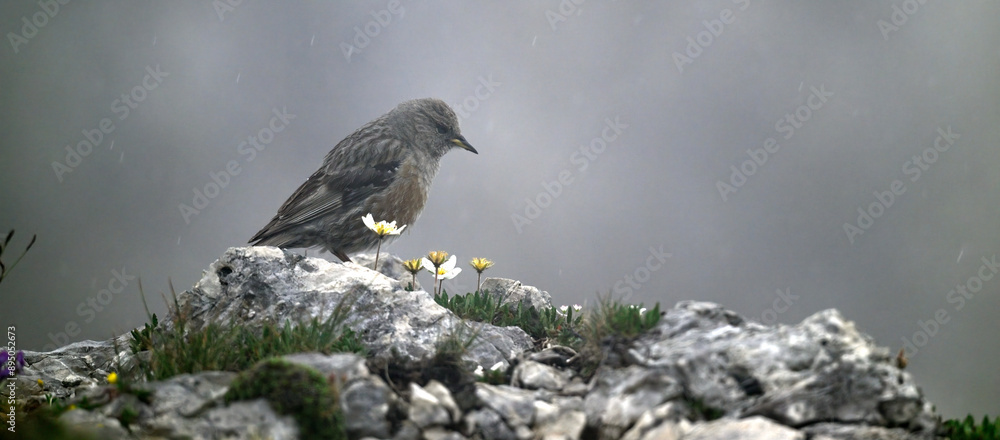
71,407
113,378
437,258
382,228
481,264
40,382
413,266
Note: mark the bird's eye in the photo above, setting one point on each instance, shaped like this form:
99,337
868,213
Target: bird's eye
442,129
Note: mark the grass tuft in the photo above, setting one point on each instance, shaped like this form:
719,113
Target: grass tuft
174,349
294,390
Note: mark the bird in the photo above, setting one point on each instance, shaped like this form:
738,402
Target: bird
384,168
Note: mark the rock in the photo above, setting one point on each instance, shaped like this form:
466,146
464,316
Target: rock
366,403
513,404
444,398
703,372
753,428
438,433
488,424
389,265
620,396
564,425
251,286
514,292
426,409
660,422
533,375
820,370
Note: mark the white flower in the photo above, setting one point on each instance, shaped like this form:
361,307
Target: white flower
577,307
446,271
497,366
382,228
642,311
563,310
479,371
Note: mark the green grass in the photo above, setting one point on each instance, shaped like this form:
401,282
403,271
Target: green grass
588,333
545,324
968,430
174,351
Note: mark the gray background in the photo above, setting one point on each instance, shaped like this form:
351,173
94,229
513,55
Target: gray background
654,185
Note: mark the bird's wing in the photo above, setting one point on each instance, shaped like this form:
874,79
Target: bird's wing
326,193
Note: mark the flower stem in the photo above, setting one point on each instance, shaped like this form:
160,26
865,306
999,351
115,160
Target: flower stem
377,250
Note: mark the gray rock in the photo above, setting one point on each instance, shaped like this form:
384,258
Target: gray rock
344,367
488,424
439,433
445,399
250,286
533,375
660,422
822,369
753,428
426,409
366,403
513,404
553,424
514,292
620,396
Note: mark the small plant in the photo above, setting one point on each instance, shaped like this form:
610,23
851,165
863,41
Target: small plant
4,269
549,323
968,430
610,327
480,264
294,390
442,268
413,266
175,350
382,228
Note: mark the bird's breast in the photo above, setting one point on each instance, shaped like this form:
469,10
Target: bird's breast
406,196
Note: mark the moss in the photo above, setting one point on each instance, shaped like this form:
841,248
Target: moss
294,390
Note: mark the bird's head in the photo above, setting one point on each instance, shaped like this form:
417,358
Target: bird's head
432,124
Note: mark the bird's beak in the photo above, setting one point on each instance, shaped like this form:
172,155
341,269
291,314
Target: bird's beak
463,144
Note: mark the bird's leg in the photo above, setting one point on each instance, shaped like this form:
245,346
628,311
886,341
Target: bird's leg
343,257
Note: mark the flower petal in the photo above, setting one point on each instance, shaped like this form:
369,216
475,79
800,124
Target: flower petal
369,221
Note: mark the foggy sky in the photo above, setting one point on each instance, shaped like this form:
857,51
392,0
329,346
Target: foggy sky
608,133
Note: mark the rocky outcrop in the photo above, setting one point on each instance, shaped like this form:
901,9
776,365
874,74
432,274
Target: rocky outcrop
703,372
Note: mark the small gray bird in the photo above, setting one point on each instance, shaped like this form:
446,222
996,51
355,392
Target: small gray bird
384,168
